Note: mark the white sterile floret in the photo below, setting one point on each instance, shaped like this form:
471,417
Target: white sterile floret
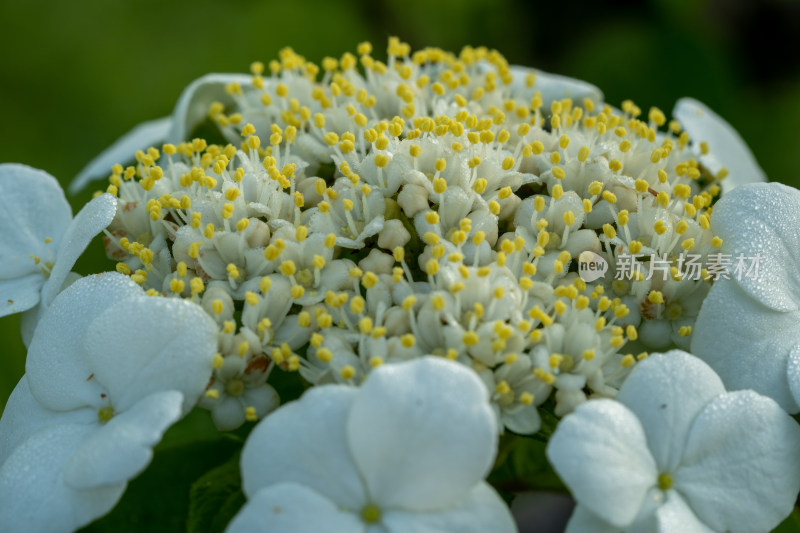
395,455
190,110
676,452
40,240
747,327
108,371
720,146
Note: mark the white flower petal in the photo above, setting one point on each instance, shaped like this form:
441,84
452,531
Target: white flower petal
292,508
422,433
141,137
304,442
23,416
676,515
746,343
741,469
145,345
666,392
727,148
32,208
583,521
89,221
480,511
20,294
194,101
552,87
34,494
56,369
762,218
600,451
123,447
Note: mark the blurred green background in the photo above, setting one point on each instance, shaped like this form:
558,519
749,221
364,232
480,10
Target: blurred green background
76,75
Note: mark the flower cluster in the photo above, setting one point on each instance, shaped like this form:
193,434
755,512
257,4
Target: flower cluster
433,204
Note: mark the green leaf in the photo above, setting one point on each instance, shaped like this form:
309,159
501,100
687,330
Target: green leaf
215,498
289,385
158,499
523,466
791,524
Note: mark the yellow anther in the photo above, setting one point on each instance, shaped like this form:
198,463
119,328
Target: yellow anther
470,338
288,268
595,188
616,341
544,375
502,388
177,285
688,244
660,227
347,372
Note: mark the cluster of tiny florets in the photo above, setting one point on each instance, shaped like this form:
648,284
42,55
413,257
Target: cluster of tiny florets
432,204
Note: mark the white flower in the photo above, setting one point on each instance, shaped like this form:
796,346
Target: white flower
747,327
190,110
726,148
406,452
108,371
40,240
678,453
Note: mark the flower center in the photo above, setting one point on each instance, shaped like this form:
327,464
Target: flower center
234,387
674,311
664,481
104,414
305,278
371,513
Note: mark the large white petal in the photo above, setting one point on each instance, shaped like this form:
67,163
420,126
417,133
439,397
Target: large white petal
145,345
190,110
583,521
292,508
600,451
762,219
123,447
20,294
141,137
746,343
422,433
552,87
675,515
58,374
35,498
89,221
195,100
726,146
304,442
32,208
666,392
480,511
23,416
741,469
